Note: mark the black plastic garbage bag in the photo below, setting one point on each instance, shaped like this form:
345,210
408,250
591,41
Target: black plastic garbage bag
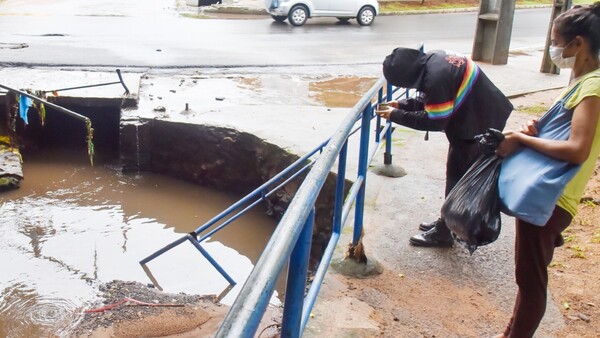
472,209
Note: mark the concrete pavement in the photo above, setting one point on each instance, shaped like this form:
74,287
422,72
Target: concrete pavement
281,109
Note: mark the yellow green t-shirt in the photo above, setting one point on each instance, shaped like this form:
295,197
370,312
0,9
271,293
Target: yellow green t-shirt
569,200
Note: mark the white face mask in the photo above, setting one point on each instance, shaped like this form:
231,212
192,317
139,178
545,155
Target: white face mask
559,60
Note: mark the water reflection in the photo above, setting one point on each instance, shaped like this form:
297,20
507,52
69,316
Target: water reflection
71,226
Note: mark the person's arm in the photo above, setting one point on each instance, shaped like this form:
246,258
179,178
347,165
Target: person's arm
411,104
574,150
418,120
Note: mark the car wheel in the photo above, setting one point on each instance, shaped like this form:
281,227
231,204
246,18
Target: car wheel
279,18
343,19
298,15
366,16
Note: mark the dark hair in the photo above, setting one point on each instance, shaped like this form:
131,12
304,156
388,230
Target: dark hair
583,21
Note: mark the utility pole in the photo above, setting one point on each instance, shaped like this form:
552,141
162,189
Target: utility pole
558,7
494,28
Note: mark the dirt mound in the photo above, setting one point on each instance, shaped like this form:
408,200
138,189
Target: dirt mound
131,309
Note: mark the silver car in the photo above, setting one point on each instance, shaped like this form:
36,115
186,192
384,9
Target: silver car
298,11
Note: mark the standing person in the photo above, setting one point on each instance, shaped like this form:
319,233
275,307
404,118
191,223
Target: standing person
575,44
456,98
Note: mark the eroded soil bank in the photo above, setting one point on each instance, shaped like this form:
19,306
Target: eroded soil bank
131,310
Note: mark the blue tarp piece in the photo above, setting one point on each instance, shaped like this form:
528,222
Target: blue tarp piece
24,104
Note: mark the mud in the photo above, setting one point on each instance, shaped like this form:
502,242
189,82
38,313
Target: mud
147,312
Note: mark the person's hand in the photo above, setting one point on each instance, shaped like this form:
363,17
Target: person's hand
510,144
385,112
530,128
393,104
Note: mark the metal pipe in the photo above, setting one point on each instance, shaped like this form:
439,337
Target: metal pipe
163,250
387,155
351,198
362,171
94,85
210,259
49,104
339,188
238,204
373,151
378,124
296,281
315,286
258,190
311,295
246,209
244,315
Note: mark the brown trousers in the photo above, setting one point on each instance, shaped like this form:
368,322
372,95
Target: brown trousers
534,248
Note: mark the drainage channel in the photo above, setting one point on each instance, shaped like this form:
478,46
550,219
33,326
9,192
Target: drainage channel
71,226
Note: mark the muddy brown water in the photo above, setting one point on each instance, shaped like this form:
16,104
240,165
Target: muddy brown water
71,227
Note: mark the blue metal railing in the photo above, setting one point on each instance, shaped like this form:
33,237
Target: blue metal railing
291,239
248,202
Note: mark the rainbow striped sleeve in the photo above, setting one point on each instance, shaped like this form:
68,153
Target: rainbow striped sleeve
440,110
443,110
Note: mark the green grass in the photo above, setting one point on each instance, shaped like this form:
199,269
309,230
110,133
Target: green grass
534,110
596,237
415,5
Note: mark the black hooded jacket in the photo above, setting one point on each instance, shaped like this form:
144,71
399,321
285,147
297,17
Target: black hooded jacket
458,98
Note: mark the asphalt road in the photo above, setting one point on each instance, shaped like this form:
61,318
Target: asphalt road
154,34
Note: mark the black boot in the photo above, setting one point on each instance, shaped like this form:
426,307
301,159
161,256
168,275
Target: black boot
440,237
426,226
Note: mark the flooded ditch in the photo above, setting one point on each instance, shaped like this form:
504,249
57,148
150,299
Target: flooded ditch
71,226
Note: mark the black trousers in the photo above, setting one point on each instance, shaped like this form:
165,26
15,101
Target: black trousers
534,248
461,156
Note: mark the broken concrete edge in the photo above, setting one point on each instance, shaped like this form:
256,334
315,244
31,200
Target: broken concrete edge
519,94
209,155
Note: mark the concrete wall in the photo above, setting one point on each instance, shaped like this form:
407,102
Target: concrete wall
221,158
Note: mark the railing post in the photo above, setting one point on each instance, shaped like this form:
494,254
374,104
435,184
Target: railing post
339,190
296,281
378,124
387,156
362,171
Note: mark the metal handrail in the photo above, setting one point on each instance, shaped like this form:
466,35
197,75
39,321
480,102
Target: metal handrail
259,194
245,314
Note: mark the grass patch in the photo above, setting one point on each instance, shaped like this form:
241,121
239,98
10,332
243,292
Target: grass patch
596,237
535,109
578,252
405,6
418,5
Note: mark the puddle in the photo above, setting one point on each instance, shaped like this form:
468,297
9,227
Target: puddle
216,93
71,227
340,92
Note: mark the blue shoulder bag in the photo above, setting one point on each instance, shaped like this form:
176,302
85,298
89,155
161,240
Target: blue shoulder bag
530,182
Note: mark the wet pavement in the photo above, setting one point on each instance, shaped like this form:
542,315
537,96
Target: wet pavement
297,109
296,112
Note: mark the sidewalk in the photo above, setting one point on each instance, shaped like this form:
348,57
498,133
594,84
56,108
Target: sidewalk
464,288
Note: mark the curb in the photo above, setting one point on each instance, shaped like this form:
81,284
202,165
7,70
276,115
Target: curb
455,10
229,9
